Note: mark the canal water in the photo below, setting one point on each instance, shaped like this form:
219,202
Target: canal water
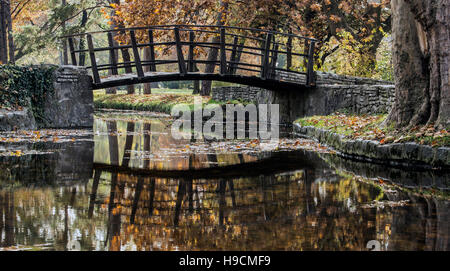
128,185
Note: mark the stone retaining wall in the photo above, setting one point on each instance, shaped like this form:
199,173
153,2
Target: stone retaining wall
326,78
395,154
333,93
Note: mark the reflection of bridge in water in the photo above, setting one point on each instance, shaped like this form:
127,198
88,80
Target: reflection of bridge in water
243,55
126,202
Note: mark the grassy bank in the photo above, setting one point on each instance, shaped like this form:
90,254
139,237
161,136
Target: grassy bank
161,100
371,128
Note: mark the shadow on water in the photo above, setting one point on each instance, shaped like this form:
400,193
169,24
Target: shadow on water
132,190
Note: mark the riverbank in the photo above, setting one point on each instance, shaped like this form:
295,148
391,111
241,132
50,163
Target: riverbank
160,101
364,138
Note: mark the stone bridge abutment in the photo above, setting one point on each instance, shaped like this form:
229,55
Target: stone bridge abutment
333,93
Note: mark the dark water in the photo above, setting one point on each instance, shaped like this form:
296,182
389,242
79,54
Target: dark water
124,190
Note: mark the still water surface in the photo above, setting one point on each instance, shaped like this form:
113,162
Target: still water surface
129,185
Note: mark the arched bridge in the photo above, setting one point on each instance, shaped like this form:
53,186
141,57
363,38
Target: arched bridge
248,56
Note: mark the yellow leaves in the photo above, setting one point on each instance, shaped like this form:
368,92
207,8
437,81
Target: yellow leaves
17,153
316,7
335,18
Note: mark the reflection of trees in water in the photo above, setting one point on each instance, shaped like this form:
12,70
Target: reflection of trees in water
433,231
278,212
294,211
43,215
145,146
303,210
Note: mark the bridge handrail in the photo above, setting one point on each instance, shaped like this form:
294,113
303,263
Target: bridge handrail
269,51
168,27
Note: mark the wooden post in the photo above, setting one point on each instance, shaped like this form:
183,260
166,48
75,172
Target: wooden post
181,64
191,52
310,78
93,60
72,51
152,50
265,65
289,53
137,58
233,55
112,54
223,52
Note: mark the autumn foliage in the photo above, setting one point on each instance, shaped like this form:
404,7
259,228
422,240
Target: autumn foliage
361,22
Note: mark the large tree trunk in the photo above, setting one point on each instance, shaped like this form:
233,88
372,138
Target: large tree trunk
214,52
125,53
421,44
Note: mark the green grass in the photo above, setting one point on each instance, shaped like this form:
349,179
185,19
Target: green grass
183,91
161,100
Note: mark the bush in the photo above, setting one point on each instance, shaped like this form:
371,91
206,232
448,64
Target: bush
26,87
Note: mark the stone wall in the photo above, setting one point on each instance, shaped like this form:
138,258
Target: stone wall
395,154
332,93
326,78
70,105
17,120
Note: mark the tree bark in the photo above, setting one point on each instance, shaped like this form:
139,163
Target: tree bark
125,54
421,45
147,86
214,52
3,34
65,53
11,47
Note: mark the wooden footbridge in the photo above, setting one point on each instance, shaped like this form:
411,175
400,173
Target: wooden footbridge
247,56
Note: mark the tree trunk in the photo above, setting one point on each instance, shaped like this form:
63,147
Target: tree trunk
147,86
65,54
214,52
125,54
421,45
11,46
82,46
210,67
196,82
128,69
3,34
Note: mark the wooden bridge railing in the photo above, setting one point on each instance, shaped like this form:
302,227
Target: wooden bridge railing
246,51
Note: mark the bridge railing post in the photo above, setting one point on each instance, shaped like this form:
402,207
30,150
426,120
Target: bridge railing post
191,51
93,60
137,57
310,77
152,51
181,64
